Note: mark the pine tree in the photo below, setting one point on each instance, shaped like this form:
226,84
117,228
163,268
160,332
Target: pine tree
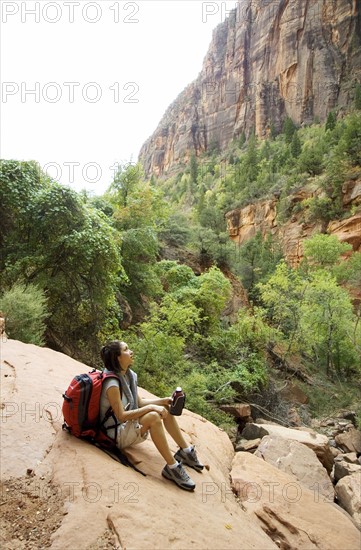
358,96
331,121
272,130
296,146
289,129
242,139
193,168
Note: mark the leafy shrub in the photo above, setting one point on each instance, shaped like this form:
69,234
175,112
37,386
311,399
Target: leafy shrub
25,311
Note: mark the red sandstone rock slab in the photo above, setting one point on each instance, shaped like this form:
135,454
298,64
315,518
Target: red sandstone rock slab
294,516
144,512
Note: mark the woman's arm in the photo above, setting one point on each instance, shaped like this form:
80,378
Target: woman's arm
157,401
113,394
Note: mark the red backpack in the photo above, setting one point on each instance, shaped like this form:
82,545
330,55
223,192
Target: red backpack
81,406
81,411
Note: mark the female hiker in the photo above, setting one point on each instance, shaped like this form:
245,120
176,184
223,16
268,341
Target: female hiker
134,417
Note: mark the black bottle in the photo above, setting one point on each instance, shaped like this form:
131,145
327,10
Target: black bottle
179,398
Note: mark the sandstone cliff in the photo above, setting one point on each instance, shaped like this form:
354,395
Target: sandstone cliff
244,223
267,60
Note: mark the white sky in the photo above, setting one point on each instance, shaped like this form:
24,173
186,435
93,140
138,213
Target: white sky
135,58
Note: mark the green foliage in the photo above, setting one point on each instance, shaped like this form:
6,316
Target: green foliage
70,251
357,96
289,128
18,183
250,160
349,271
311,159
315,314
282,295
350,143
331,121
257,258
174,275
25,310
214,292
125,181
296,145
175,231
183,343
140,212
318,208
324,250
328,325
193,168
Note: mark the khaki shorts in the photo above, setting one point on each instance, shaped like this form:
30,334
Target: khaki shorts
129,434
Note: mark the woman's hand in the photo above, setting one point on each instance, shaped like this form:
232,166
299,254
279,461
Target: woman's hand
166,400
162,411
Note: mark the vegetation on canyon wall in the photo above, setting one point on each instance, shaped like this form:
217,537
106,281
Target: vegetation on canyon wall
77,270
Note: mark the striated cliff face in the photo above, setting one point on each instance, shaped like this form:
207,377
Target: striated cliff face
244,223
269,59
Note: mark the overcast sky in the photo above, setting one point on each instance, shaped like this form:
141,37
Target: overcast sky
84,83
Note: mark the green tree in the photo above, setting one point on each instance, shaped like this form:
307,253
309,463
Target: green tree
25,309
289,128
193,169
357,96
296,146
140,213
311,159
258,258
349,271
19,181
330,332
282,295
350,143
331,121
324,250
250,160
72,253
126,179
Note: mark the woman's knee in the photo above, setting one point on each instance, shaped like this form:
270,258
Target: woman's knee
150,419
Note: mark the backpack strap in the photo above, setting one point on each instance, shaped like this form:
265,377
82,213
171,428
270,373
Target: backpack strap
104,429
116,454
110,414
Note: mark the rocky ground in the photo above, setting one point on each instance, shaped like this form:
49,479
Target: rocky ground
30,512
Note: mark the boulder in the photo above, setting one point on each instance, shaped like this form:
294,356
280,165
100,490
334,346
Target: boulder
293,417
298,460
344,468
238,410
292,515
93,490
335,452
317,442
292,392
351,458
248,445
348,491
349,441
254,431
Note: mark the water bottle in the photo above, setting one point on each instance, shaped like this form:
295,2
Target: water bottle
178,400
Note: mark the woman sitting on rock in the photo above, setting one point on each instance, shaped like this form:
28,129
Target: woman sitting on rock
134,417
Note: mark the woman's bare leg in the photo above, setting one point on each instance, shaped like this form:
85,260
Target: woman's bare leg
152,421
171,425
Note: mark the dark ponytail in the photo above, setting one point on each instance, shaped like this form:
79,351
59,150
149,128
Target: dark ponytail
109,354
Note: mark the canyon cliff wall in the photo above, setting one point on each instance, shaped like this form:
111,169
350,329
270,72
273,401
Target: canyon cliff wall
269,59
244,223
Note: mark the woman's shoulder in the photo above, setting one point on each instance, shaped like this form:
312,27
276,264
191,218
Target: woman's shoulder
110,381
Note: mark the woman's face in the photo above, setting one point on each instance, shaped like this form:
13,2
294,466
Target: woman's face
126,357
